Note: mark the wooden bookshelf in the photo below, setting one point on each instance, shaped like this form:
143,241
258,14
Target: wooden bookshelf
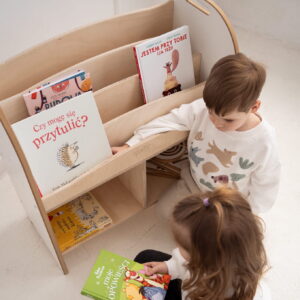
104,49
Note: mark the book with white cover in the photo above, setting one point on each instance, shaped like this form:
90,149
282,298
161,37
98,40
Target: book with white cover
165,64
63,142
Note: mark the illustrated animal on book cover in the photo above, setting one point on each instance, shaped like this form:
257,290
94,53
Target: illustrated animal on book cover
67,155
171,85
152,287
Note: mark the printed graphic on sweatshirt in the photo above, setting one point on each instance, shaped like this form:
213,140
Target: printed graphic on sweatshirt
224,156
245,163
193,156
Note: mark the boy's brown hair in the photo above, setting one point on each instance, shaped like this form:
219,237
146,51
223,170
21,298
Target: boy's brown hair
234,83
225,245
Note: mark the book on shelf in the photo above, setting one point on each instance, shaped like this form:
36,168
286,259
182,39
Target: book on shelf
165,64
52,93
78,219
64,142
114,277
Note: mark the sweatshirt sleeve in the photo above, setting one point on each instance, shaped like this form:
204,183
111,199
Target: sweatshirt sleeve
179,119
176,265
264,184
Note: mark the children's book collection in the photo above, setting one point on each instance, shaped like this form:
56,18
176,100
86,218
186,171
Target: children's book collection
56,142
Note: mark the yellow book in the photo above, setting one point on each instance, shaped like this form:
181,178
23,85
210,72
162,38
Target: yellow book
77,220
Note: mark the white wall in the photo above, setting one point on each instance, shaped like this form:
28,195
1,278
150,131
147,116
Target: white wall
278,19
25,23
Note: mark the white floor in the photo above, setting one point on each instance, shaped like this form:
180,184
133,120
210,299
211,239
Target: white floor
28,272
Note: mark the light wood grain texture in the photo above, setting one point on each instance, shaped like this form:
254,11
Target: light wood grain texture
156,186
118,131
119,98
118,201
135,181
115,94
17,167
71,48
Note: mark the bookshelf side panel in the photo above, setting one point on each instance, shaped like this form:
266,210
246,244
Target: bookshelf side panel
34,210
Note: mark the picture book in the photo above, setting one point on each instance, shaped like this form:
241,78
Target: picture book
56,92
165,64
62,143
77,220
114,277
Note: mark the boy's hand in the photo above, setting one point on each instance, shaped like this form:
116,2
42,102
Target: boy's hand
156,267
116,150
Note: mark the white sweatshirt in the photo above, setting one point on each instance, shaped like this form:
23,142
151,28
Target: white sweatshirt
248,160
177,269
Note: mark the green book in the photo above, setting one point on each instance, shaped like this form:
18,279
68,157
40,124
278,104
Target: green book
114,277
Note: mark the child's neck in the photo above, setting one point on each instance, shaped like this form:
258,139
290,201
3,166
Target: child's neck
253,120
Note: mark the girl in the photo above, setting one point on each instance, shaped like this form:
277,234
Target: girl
220,252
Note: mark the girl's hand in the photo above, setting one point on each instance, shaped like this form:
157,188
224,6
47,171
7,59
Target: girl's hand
116,150
156,267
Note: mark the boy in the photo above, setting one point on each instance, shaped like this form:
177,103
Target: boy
229,142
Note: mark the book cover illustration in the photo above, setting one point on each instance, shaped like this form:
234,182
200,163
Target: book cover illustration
62,143
168,163
77,220
165,64
114,277
60,90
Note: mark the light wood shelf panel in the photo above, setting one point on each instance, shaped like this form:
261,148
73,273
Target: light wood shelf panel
118,131
67,50
118,201
119,98
156,186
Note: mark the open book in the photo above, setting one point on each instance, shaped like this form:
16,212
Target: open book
114,277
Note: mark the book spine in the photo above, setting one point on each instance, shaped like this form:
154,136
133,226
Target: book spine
140,74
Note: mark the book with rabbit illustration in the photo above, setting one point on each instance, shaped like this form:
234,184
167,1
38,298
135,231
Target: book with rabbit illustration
63,142
77,220
165,64
114,277
52,93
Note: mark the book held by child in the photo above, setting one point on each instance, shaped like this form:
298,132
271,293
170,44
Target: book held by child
63,142
114,277
165,64
78,219
56,92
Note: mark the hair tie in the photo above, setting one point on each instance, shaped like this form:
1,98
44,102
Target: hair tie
206,202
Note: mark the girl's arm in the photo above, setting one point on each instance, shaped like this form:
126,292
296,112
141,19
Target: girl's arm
177,265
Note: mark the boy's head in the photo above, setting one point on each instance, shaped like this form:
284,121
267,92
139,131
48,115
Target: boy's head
234,85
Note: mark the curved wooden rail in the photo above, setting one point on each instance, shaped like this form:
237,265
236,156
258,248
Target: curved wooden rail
223,16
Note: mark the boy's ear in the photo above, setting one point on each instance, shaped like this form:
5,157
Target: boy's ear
255,106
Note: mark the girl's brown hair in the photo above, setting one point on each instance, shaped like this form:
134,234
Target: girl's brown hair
234,83
225,244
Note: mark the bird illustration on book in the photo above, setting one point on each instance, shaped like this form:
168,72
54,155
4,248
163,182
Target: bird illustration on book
171,84
67,155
